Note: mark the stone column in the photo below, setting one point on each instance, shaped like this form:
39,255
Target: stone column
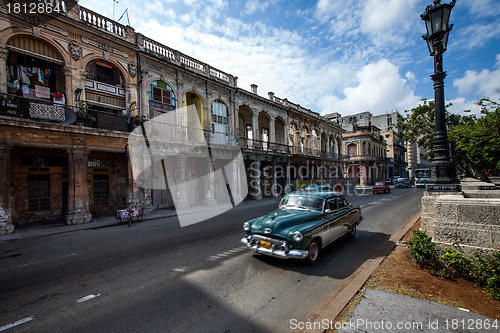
136,194
286,141
272,132
6,226
4,53
274,187
255,183
255,126
288,180
78,189
181,186
210,184
68,81
130,93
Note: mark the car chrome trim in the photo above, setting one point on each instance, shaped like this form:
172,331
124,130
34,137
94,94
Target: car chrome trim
300,254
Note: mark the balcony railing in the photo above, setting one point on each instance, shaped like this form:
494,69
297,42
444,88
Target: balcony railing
272,147
164,52
367,158
102,23
40,110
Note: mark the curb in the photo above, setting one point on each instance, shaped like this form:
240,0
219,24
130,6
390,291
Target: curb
350,288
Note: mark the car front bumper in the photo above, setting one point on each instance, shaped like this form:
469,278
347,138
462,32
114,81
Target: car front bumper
279,253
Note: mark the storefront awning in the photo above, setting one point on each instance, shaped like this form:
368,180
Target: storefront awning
34,47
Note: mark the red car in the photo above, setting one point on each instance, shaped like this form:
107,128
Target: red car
381,187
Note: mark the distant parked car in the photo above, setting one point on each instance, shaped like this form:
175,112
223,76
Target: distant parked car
389,181
421,182
402,182
381,187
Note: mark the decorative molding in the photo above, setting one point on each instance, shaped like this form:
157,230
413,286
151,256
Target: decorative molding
55,29
107,50
36,31
75,50
68,70
132,69
4,53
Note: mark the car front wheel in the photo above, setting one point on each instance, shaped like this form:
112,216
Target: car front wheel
352,231
313,252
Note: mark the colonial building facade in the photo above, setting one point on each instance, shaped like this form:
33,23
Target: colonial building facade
67,86
74,84
373,132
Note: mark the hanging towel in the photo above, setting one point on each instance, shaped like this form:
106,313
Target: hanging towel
27,70
11,69
26,90
24,77
42,92
40,76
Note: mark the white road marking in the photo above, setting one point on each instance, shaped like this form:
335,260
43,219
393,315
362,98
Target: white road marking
226,253
19,322
86,298
38,262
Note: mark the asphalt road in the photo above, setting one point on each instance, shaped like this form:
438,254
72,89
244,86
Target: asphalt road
159,277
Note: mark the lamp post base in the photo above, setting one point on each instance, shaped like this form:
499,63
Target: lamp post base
443,188
442,177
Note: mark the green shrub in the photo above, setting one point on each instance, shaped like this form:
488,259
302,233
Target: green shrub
486,273
456,264
422,250
484,270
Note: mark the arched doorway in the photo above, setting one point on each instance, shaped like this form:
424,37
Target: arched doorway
196,122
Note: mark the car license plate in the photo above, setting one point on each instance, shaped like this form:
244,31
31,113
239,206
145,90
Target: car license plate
265,245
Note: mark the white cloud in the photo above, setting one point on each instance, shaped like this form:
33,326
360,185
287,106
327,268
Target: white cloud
475,36
384,19
483,84
460,104
379,88
483,8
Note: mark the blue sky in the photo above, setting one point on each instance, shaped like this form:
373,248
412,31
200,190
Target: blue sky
344,56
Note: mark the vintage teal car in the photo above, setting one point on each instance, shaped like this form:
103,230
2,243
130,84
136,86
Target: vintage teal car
304,223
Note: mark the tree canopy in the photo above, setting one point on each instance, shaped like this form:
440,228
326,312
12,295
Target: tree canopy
475,140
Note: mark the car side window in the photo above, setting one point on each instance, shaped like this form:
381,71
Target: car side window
332,204
341,202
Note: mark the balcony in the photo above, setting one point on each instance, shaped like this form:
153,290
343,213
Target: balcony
263,146
102,23
367,158
164,52
44,111
251,145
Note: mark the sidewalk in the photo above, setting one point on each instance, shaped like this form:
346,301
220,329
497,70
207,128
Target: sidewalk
58,227
386,311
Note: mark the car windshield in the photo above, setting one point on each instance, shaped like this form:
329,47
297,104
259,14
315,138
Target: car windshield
302,202
380,183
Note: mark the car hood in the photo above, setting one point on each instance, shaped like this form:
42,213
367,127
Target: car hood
283,221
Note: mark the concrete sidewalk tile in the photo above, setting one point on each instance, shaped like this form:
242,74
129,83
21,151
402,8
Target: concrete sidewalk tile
384,311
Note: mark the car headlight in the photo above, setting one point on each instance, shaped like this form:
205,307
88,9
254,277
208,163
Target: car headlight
297,236
246,226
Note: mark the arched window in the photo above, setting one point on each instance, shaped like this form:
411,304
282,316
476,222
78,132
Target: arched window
220,121
352,149
161,98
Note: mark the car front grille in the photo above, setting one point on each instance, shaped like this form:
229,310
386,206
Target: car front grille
276,243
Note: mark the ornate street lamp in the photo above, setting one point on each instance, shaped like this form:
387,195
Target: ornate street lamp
443,176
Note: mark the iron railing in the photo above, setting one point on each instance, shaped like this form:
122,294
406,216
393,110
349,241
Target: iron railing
40,110
273,147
